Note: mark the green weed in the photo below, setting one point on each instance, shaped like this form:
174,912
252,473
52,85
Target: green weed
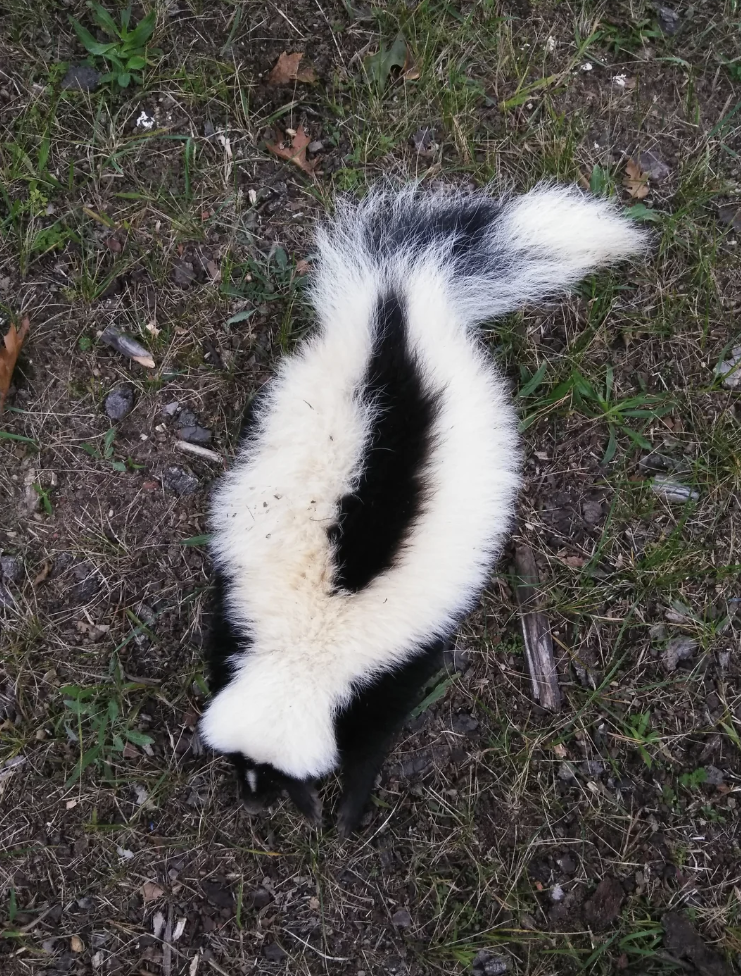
100,719
578,394
107,454
637,728
126,53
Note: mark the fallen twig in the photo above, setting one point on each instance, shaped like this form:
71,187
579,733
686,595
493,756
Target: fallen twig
202,452
536,632
127,346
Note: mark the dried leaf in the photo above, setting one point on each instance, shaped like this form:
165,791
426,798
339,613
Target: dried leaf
287,69
576,562
296,152
151,891
9,354
130,751
42,573
409,71
635,180
179,928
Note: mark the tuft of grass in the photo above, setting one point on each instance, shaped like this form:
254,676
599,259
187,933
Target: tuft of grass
126,53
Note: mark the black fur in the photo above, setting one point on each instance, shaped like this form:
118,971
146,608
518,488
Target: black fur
374,520
461,226
224,639
366,728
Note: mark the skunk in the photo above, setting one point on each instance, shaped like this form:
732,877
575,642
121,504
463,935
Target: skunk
376,480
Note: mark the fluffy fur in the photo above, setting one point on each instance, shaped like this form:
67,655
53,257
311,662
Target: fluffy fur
377,477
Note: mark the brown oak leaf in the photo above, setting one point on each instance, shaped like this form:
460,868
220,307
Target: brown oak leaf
9,350
151,891
288,68
635,180
296,152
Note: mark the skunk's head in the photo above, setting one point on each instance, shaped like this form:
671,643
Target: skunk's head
260,784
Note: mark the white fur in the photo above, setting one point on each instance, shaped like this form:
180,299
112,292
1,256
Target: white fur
310,644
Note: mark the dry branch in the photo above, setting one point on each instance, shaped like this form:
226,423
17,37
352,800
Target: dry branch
536,632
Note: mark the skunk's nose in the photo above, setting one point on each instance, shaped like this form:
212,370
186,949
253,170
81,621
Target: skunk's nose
253,805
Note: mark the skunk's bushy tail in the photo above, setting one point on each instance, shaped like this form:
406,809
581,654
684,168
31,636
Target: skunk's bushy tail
493,255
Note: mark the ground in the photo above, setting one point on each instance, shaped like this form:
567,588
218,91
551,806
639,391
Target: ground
504,837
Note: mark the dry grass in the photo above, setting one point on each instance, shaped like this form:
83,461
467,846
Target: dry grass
494,822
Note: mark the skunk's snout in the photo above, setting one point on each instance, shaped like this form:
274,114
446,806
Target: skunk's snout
253,805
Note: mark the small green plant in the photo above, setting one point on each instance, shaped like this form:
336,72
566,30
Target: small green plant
126,54
98,719
693,780
107,454
44,496
637,729
601,182
629,38
600,405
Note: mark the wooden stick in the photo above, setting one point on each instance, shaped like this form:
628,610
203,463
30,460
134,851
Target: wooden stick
536,632
201,452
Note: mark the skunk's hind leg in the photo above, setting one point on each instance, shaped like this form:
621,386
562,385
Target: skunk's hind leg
359,771
366,728
305,797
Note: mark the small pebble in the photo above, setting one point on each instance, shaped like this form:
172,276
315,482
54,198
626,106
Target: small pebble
11,568
457,659
187,419
668,20
673,491
464,723
487,964
179,480
730,369
655,168
401,919
567,864
678,649
260,898
81,78
120,402
592,511
183,273
196,435
714,776
566,772
170,409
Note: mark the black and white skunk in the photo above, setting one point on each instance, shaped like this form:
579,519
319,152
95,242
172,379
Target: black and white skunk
376,480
